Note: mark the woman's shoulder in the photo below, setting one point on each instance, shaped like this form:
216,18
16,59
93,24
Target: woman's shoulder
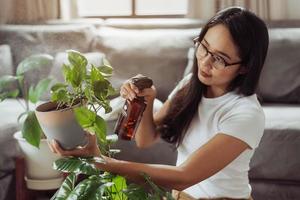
247,104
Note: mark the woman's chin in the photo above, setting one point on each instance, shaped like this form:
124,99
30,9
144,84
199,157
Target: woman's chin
203,80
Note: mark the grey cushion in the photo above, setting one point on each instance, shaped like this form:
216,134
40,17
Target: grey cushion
277,157
6,63
157,53
26,40
280,80
162,23
266,190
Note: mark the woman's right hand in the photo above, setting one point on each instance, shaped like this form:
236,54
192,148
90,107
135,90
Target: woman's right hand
129,91
90,149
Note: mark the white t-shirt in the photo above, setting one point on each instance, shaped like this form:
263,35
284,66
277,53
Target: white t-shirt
232,114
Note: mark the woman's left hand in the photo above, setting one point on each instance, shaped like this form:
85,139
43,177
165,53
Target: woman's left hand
91,149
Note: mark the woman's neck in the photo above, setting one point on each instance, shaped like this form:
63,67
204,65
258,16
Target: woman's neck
213,92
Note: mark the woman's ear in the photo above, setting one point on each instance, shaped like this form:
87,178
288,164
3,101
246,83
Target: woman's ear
243,70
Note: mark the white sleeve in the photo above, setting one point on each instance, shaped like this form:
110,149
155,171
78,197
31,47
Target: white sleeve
244,123
180,85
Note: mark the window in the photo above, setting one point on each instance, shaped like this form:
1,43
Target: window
132,8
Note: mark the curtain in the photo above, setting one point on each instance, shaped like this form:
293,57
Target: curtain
28,11
204,9
68,9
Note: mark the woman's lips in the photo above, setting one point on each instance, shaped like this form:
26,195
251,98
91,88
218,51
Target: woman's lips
205,74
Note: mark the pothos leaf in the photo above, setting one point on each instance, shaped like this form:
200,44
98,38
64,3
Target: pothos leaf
31,130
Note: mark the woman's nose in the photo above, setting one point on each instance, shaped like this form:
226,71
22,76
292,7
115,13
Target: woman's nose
207,61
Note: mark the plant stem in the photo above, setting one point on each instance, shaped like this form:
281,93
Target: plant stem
21,103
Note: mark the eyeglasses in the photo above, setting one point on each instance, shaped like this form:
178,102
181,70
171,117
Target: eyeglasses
217,61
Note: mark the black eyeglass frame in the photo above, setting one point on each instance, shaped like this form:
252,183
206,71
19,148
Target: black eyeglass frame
197,42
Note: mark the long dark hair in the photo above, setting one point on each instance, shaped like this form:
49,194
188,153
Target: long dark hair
250,35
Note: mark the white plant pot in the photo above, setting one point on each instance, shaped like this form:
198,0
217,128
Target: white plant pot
39,171
60,125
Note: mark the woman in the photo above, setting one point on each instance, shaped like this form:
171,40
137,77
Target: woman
213,115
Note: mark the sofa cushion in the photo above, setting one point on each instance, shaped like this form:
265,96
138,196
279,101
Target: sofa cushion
157,53
6,66
277,157
6,63
26,40
159,23
275,190
280,81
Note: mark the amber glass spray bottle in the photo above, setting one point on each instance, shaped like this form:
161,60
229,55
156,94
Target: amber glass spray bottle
132,111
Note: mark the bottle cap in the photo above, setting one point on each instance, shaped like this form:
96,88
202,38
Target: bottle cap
141,81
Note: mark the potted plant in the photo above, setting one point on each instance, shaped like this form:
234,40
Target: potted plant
38,157
75,103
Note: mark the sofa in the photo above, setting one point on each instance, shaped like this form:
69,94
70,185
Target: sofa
163,50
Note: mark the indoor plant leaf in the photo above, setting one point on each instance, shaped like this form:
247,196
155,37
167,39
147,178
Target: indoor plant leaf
66,188
34,62
100,128
86,189
31,130
9,94
35,93
78,165
118,187
77,60
57,86
6,80
135,192
85,117
60,95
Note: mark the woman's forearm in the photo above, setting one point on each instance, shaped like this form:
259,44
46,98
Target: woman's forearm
146,133
171,177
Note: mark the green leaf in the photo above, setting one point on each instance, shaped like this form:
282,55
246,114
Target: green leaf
112,91
34,62
106,69
100,128
60,95
106,62
85,117
77,60
66,187
7,80
67,73
31,130
76,77
32,95
96,74
78,165
78,67
135,192
88,93
58,86
36,93
106,106
22,114
10,94
118,187
100,88
86,189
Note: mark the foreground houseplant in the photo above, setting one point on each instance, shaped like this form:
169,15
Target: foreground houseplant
31,140
84,93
